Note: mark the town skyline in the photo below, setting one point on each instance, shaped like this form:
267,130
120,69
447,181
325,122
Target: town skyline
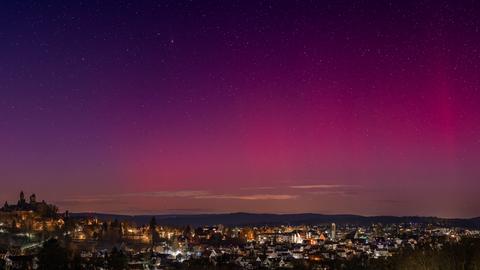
34,235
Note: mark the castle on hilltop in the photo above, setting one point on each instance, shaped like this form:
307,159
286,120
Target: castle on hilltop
41,208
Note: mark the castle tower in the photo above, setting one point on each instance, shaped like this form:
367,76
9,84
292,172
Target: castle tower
22,198
33,199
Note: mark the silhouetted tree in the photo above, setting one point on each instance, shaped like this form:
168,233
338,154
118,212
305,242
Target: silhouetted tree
153,230
153,223
117,260
77,263
53,256
464,255
187,232
115,223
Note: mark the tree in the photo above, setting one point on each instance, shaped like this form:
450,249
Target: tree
153,230
117,260
187,232
53,256
153,223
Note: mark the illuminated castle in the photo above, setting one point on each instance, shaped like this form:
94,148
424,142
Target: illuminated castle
30,216
41,208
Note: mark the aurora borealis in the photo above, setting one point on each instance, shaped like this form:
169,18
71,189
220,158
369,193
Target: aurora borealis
361,107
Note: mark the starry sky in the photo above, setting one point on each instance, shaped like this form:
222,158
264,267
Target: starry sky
137,107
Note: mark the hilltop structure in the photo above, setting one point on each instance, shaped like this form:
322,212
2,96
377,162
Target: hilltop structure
41,208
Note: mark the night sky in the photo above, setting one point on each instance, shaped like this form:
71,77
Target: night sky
362,107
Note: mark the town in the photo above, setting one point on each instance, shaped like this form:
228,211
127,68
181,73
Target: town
34,235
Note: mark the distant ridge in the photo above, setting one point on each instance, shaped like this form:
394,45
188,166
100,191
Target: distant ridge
239,219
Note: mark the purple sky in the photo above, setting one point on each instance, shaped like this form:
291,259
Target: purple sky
363,107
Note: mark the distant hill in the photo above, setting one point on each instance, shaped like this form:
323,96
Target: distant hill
239,219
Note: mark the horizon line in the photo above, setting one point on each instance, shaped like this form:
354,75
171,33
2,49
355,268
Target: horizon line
276,214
